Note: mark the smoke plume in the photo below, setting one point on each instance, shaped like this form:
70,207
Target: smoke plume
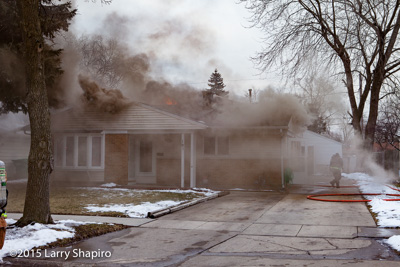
106,100
112,73
273,109
366,162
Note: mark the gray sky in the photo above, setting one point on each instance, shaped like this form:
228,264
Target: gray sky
187,38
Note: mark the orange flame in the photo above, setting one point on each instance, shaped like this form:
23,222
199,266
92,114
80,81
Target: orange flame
169,101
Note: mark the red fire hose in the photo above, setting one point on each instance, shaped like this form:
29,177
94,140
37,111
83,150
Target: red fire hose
315,197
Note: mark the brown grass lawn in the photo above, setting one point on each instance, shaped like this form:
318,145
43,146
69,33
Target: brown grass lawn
72,200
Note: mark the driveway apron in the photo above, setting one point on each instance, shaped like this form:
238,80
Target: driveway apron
246,229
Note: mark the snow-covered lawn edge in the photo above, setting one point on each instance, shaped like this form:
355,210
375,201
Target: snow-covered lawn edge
142,210
21,240
387,212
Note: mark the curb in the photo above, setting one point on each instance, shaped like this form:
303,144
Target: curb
164,211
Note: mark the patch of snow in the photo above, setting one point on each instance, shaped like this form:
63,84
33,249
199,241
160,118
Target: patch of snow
36,235
107,189
135,211
109,185
141,210
394,242
388,212
30,236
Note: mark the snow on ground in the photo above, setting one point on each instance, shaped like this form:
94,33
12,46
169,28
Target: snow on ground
109,185
137,211
388,212
141,210
22,240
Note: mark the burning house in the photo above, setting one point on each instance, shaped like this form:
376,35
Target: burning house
146,145
178,141
242,145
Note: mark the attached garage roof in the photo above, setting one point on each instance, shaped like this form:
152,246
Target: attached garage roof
137,116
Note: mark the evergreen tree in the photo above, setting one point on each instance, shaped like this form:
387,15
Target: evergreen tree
216,84
29,69
53,17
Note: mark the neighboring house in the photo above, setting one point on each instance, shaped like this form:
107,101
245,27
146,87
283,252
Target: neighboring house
311,154
146,145
14,152
14,144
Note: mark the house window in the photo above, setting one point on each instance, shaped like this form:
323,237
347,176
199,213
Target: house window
58,146
82,151
209,145
79,151
298,156
146,156
96,151
216,145
69,151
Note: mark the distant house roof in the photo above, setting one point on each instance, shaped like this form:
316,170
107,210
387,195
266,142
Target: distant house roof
136,116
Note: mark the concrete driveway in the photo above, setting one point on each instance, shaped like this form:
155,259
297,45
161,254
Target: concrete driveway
246,229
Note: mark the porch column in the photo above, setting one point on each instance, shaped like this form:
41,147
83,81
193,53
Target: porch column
282,170
192,160
183,160
282,151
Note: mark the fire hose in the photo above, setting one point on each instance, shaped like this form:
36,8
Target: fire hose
316,197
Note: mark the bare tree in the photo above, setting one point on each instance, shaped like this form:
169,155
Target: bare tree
107,62
356,38
99,59
319,95
388,125
344,124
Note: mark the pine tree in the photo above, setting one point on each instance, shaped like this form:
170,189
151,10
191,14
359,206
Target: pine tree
37,19
216,84
53,18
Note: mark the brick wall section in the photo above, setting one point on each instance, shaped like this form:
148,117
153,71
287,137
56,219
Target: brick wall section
116,158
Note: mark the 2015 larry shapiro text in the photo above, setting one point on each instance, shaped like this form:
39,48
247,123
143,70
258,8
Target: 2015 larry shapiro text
75,253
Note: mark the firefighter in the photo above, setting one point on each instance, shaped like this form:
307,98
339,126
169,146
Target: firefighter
336,166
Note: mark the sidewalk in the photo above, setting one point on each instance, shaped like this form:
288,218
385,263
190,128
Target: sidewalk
98,219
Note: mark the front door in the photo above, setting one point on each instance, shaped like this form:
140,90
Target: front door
145,169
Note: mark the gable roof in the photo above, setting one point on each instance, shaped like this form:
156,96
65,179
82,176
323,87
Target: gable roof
136,116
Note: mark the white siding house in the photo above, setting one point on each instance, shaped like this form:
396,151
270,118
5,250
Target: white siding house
314,153
14,144
14,152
